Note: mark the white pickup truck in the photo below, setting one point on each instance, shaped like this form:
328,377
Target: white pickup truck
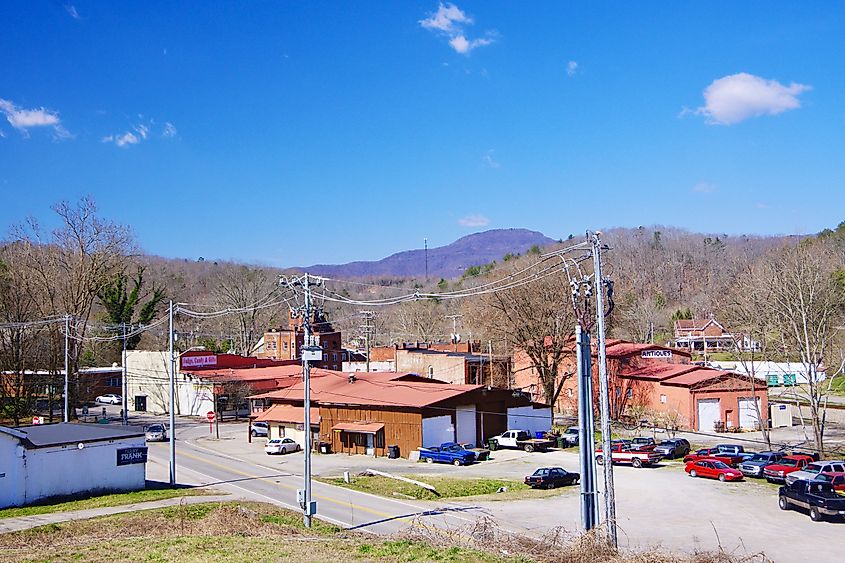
521,440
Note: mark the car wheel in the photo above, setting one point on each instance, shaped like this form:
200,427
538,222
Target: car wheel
722,477
254,433
574,482
693,473
600,460
815,515
429,460
637,462
528,448
457,463
783,503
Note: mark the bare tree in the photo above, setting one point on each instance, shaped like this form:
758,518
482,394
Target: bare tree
419,320
806,301
249,291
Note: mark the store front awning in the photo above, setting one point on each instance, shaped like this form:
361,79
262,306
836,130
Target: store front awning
359,427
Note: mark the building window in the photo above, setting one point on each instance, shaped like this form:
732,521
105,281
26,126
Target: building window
663,399
430,372
379,439
569,393
618,391
629,393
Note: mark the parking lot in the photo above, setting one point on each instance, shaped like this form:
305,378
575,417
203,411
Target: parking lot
660,505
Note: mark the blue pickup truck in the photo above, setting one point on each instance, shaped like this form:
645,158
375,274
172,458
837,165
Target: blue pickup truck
448,452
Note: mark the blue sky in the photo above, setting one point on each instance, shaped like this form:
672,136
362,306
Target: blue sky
292,133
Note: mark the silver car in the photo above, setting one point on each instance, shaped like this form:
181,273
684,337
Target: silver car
156,433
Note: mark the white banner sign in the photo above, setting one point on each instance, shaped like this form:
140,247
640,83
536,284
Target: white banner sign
199,361
656,353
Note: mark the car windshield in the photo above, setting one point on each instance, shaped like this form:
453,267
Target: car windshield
813,468
760,457
155,428
719,465
541,472
789,462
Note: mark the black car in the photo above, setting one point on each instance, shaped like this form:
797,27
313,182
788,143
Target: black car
817,497
551,477
753,466
672,448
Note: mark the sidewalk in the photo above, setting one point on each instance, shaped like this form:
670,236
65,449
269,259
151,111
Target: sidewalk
26,522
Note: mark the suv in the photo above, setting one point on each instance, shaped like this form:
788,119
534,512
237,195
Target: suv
813,470
777,473
570,436
753,466
675,447
259,429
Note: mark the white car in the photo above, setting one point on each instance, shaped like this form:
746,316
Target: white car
281,446
109,399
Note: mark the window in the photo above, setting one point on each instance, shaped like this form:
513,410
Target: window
663,399
629,393
569,392
618,391
379,439
430,372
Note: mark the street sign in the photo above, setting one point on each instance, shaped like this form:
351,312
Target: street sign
312,354
210,416
37,420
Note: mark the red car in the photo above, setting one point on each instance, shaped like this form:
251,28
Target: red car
714,469
838,481
713,453
776,473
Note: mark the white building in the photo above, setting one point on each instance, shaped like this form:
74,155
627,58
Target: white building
55,460
386,365
774,373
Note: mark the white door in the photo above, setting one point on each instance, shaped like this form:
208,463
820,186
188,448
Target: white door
708,414
465,430
436,430
748,413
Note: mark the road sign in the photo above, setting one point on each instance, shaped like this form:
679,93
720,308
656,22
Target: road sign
210,416
37,420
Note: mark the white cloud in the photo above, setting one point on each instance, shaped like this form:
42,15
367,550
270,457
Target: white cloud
704,188
451,21
488,160
473,221
447,19
169,130
72,11
735,98
571,68
124,140
24,119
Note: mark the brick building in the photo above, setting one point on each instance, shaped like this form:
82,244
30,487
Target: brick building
285,343
660,383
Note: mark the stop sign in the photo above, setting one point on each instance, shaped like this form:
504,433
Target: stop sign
210,416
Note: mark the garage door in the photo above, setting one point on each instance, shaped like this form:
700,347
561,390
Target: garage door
466,424
708,414
748,413
436,430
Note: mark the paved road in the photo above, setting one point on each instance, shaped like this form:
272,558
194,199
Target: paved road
197,465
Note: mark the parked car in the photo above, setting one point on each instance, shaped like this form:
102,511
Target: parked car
644,443
817,497
789,464
753,466
551,477
109,399
520,439
837,481
447,452
813,470
570,436
713,469
156,433
712,453
672,448
281,446
623,453
259,429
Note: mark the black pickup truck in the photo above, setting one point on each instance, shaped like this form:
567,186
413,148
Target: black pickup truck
818,497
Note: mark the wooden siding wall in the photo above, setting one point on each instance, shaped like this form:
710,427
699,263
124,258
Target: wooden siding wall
403,429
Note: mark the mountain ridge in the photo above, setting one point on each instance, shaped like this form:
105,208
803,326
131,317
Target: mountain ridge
447,261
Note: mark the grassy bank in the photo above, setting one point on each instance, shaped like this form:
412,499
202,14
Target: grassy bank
219,532
100,501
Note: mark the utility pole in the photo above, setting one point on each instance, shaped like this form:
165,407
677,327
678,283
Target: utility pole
310,352
604,394
66,417
368,329
124,386
455,335
172,409
586,425
425,242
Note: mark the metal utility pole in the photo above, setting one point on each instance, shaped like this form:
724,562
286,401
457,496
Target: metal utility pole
124,386
425,242
604,394
310,352
368,329
66,417
586,438
172,409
